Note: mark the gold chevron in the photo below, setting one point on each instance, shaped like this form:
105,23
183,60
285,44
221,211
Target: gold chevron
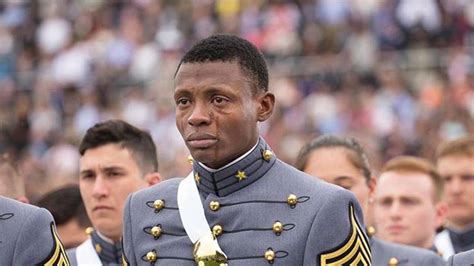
58,256
357,247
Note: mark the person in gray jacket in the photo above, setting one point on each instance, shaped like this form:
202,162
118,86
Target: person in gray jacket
343,161
465,258
240,205
28,236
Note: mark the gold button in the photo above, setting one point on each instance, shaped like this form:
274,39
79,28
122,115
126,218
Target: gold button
269,255
159,204
151,256
277,227
190,160
217,230
89,230
393,262
267,155
292,200
214,205
370,231
156,231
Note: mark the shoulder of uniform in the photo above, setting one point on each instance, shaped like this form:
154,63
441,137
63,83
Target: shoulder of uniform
401,251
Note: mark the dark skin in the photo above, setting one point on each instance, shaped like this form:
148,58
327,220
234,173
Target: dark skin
217,111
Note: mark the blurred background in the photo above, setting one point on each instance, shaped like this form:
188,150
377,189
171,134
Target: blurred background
396,74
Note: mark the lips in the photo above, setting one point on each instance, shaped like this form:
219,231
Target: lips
101,207
395,229
201,140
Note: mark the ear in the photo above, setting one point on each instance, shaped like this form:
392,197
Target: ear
441,213
152,178
266,103
372,185
23,199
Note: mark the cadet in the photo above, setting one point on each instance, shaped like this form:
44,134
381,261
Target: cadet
116,159
342,161
455,162
409,190
28,236
240,205
462,259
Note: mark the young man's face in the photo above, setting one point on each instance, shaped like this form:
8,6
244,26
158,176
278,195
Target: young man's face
108,174
216,111
458,174
333,166
405,211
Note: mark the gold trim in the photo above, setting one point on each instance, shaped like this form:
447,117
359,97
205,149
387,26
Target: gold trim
360,249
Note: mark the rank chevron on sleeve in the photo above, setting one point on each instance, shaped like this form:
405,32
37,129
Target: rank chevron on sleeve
354,251
57,256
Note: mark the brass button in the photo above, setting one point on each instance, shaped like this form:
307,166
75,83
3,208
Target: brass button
217,230
214,205
393,262
292,200
159,204
277,227
269,255
151,256
190,160
267,155
156,231
89,230
370,231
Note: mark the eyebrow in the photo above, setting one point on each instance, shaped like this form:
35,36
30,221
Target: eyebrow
344,178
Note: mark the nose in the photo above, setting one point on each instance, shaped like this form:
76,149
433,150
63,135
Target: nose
456,185
200,115
395,210
100,189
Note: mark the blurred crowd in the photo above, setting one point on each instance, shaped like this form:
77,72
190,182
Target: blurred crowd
396,74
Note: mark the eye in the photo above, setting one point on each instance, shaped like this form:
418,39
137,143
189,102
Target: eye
182,101
447,178
87,176
467,178
219,100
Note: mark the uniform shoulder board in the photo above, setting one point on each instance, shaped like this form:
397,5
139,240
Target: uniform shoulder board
355,250
58,256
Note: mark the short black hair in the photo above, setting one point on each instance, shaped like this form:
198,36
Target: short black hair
229,48
138,142
357,155
65,204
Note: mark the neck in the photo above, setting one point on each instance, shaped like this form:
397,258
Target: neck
460,227
110,239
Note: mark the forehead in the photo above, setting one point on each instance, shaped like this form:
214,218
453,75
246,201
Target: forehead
456,163
405,183
202,74
107,155
329,163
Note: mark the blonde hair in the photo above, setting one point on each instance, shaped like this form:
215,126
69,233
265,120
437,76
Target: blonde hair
12,184
463,146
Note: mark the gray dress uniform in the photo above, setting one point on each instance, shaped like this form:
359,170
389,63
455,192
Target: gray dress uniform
108,253
462,259
262,212
28,236
391,254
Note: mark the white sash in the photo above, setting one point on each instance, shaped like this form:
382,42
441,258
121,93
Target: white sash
443,243
191,211
86,254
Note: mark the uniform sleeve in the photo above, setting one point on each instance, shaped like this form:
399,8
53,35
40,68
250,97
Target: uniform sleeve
127,240
38,241
337,235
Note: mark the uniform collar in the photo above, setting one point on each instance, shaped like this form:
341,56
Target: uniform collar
463,239
236,175
107,251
